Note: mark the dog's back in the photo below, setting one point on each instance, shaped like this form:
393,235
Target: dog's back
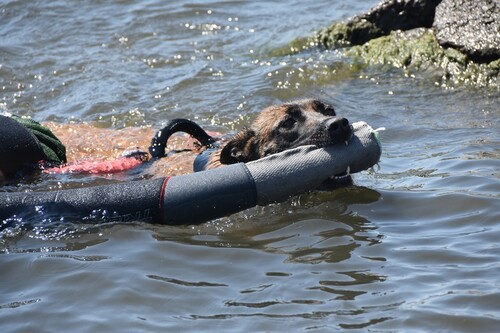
276,128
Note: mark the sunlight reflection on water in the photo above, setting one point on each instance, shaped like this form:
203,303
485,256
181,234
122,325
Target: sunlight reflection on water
411,247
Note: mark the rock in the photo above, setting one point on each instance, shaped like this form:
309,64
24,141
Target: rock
388,16
419,50
471,26
459,38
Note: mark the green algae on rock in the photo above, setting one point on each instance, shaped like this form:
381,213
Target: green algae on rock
341,34
298,45
459,38
418,49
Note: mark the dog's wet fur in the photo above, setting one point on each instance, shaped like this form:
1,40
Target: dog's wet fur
286,126
276,128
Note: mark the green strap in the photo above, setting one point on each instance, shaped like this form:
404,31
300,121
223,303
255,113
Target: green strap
51,145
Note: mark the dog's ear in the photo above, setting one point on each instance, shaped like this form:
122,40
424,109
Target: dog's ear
241,148
324,108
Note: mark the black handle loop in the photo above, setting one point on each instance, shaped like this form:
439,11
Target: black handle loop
159,141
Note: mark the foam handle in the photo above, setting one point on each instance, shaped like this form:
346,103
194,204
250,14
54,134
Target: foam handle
130,201
282,175
206,195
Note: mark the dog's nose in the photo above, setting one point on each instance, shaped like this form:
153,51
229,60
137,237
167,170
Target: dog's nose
339,129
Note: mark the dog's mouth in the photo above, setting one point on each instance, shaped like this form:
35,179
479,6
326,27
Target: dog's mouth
341,179
324,139
336,181
342,176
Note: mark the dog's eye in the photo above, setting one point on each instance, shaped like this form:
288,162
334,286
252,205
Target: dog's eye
288,123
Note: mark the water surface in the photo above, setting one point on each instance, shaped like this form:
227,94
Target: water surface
412,247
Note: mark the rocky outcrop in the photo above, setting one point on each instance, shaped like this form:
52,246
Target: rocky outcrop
380,21
470,26
418,50
461,37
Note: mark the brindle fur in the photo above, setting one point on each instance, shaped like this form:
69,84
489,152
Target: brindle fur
275,129
281,127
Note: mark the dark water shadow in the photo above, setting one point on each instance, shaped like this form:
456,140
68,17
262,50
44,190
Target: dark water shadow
322,217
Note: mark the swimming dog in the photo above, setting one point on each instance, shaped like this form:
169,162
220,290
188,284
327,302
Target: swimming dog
281,127
276,128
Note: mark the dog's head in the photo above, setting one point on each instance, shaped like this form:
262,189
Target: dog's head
290,125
